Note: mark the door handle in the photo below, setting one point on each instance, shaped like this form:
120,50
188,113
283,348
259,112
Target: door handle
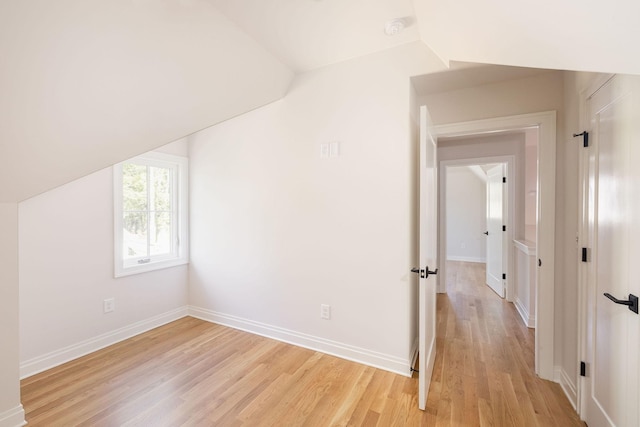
632,302
430,272
486,232
424,273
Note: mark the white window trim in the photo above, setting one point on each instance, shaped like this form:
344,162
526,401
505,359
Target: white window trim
182,238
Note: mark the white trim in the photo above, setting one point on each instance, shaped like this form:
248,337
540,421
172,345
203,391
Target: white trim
561,377
55,358
466,259
180,246
528,319
13,417
345,351
545,287
528,248
590,89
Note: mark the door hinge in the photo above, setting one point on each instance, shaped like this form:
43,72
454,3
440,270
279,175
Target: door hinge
504,179
504,228
583,369
585,253
585,138
504,276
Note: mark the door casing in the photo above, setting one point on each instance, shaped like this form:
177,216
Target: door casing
546,212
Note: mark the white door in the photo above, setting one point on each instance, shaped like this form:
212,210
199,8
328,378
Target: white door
495,233
610,390
428,254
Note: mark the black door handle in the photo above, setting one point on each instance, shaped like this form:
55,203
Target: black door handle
428,272
486,232
424,273
632,302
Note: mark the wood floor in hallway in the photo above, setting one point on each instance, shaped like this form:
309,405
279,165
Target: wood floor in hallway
193,373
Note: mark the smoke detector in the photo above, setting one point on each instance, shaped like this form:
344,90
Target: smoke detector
394,27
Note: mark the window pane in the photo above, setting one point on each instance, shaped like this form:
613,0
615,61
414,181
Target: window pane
160,233
134,235
134,187
160,195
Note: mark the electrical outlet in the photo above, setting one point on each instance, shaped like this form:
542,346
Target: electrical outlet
109,305
325,311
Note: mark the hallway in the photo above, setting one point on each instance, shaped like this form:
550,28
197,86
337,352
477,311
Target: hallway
484,369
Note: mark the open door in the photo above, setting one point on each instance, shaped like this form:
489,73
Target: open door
611,382
495,232
428,253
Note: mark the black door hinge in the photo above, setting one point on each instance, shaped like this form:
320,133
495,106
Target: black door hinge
504,179
504,228
585,138
584,254
504,276
583,369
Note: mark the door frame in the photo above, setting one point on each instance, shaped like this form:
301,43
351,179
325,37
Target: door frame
507,249
583,236
546,211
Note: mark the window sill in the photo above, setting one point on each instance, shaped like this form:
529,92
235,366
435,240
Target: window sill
146,268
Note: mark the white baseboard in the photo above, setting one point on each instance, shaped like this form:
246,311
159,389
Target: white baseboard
58,357
528,319
344,351
466,259
14,417
569,388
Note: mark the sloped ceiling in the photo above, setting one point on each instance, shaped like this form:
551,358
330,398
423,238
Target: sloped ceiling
308,34
85,84
600,36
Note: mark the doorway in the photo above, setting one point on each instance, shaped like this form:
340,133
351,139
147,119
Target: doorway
476,212
545,123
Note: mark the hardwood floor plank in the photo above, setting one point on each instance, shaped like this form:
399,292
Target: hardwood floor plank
194,373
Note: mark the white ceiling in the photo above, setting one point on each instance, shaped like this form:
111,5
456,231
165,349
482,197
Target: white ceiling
550,34
466,75
84,85
87,84
308,34
600,36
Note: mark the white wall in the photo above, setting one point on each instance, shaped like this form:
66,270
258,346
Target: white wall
511,144
466,215
66,271
11,413
542,92
277,231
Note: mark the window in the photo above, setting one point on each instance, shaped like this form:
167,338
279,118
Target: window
150,213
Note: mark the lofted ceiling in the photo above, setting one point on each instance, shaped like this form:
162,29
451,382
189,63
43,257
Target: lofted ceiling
87,84
574,35
565,35
308,34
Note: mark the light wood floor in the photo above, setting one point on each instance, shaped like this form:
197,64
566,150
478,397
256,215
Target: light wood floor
194,373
